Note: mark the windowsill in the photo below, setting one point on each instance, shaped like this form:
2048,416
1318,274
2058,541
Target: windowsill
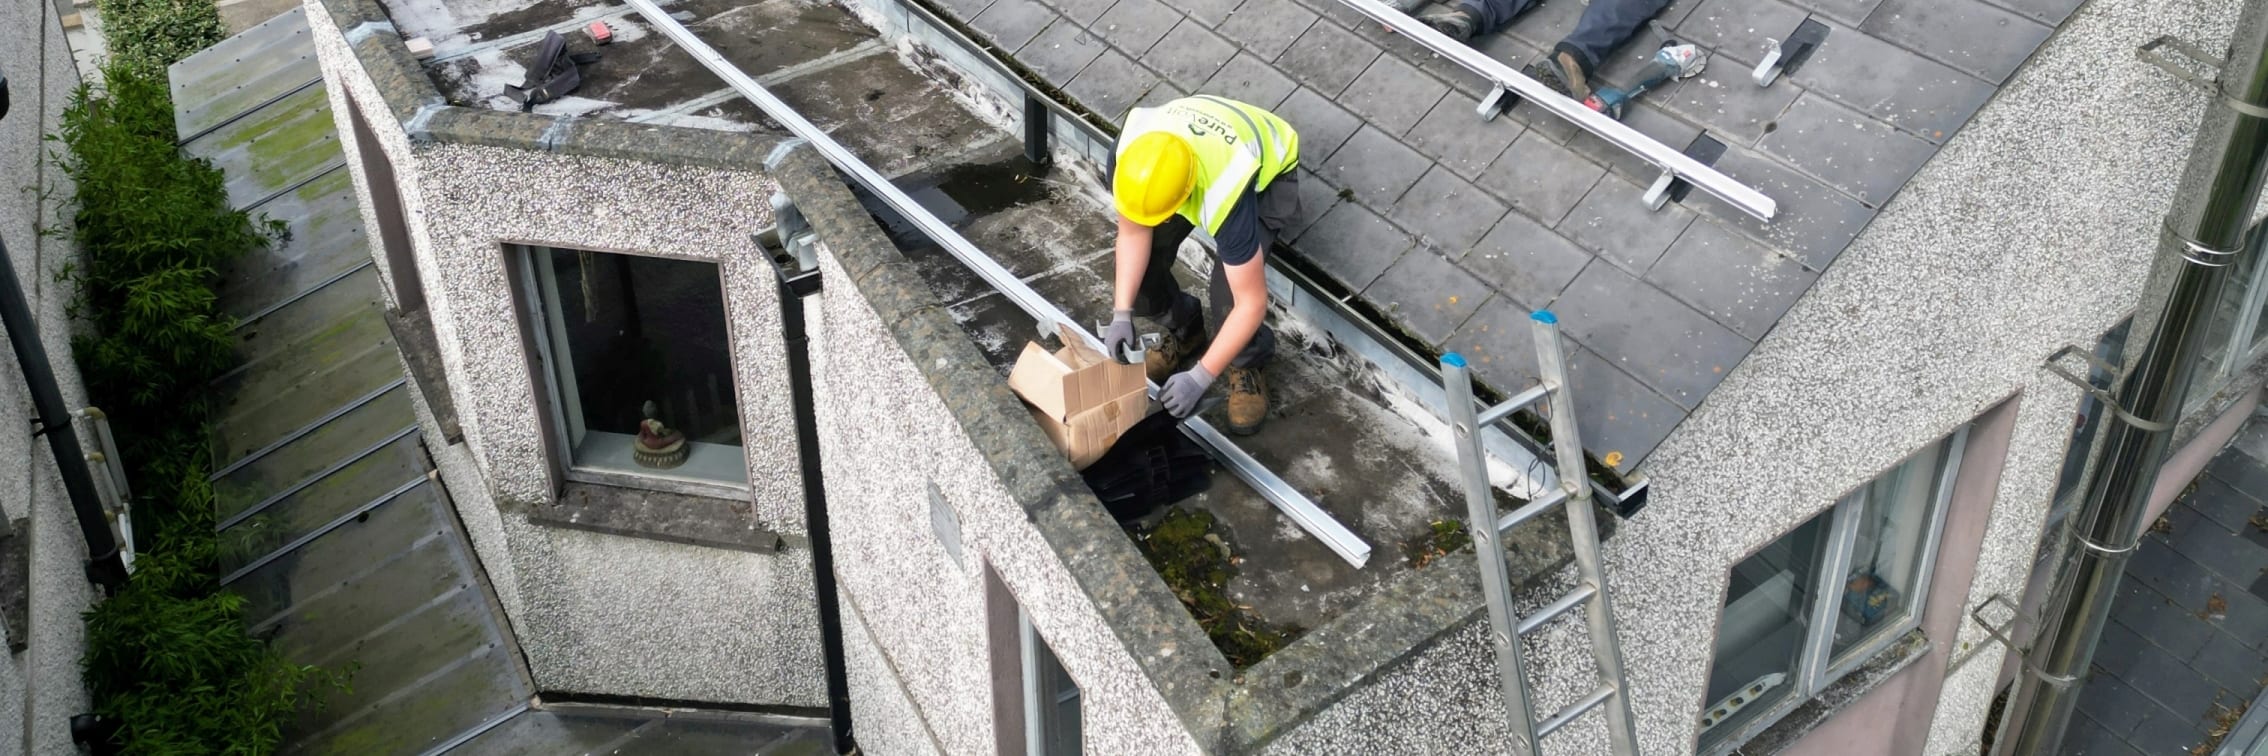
659,516
1812,713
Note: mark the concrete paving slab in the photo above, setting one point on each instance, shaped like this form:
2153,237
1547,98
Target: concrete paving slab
1322,126
1526,261
1189,54
1541,179
1081,12
2050,12
2085,738
326,240
1463,143
1847,150
1376,167
1739,283
1734,30
1316,198
1112,84
964,10
1499,342
1430,296
1247,80
1134,25
1965,34
1392,95
1543,26
1265,27
1922,96
1847,12
2243,472
1660,341
1648,119
2224,505
1447,213
1327,58
1011,24
1613,222
2144,611
2164,679
1353,245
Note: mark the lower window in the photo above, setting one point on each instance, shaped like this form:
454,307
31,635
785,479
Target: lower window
1823,599
641,365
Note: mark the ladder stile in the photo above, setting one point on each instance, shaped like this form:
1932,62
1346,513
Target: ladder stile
1572,494
1496,579
1606,648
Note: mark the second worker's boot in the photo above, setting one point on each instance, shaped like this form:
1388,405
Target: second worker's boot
1247,399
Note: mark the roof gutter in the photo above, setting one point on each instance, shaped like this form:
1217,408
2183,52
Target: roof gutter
2204,233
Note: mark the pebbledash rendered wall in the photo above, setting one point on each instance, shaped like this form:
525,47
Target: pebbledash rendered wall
2034,228
595,612
40,687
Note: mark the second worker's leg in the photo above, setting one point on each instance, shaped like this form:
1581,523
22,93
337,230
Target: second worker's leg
1605,26
1467,20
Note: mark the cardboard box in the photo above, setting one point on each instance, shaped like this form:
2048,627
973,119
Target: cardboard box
1082,399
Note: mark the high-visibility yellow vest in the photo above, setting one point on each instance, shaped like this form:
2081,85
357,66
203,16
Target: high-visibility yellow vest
1234,143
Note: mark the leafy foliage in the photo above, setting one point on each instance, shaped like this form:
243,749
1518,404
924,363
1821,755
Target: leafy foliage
146,36
168,657
1196,562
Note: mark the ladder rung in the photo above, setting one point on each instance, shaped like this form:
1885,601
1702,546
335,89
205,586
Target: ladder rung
1573,599
1576,709
1496,414
1529,511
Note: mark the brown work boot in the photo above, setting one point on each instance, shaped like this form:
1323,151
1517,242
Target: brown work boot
1247,400
1174,351
1571,73
1454,23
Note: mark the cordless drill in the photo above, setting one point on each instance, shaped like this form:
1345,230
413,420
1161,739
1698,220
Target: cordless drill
1674,61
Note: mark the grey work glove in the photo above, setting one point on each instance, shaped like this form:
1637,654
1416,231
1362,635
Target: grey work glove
1118,337
1181,392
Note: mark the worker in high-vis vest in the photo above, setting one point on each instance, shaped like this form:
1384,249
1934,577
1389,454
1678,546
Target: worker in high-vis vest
1227,167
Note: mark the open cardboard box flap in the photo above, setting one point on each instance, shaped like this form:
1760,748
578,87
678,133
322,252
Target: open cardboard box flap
1082,399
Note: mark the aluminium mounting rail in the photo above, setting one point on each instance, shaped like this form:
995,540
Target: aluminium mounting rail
1291,502
1504,78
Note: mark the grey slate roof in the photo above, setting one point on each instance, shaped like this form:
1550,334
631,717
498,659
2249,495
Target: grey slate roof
1455,228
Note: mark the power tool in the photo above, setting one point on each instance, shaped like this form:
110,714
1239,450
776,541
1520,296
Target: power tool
1674,61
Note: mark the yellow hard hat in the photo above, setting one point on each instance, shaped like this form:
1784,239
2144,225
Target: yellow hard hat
1155,174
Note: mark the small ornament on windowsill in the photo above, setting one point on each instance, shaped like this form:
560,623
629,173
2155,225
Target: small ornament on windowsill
658,446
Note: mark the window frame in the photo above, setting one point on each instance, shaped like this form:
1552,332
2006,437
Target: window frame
557,382
1815,669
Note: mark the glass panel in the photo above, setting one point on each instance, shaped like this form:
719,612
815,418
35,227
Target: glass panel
1053,698
1895,513
1761,636
645,364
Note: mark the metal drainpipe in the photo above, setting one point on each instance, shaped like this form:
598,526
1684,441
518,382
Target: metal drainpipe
794,286
104,565
2203,234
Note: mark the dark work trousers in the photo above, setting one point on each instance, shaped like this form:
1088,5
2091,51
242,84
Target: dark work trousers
1162,299
1605,25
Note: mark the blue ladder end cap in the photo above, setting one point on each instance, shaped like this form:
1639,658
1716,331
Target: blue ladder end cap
1453,359
1545,316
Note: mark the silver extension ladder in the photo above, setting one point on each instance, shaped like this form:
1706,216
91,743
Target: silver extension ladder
1574,495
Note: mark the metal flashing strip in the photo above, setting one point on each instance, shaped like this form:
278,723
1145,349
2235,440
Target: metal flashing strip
1293,504
302,485
1709,179
308,428
478,730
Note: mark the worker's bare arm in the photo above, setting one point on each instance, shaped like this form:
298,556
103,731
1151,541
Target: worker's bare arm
1248,290
1133,256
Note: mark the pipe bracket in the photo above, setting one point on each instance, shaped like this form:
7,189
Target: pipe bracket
2201,253
2195,56
2100,550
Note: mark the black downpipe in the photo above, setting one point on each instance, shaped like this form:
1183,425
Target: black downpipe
793,288
105,567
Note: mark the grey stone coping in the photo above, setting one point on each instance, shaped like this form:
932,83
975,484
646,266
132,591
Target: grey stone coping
658,515
430,118
1169,647
1839,695
413,333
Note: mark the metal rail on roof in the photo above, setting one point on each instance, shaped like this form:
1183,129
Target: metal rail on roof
1505,78
1291,502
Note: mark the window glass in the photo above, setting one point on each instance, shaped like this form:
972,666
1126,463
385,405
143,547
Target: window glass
1894,516
1760,638
642,363
1051,699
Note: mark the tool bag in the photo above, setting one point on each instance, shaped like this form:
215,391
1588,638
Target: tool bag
554,75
